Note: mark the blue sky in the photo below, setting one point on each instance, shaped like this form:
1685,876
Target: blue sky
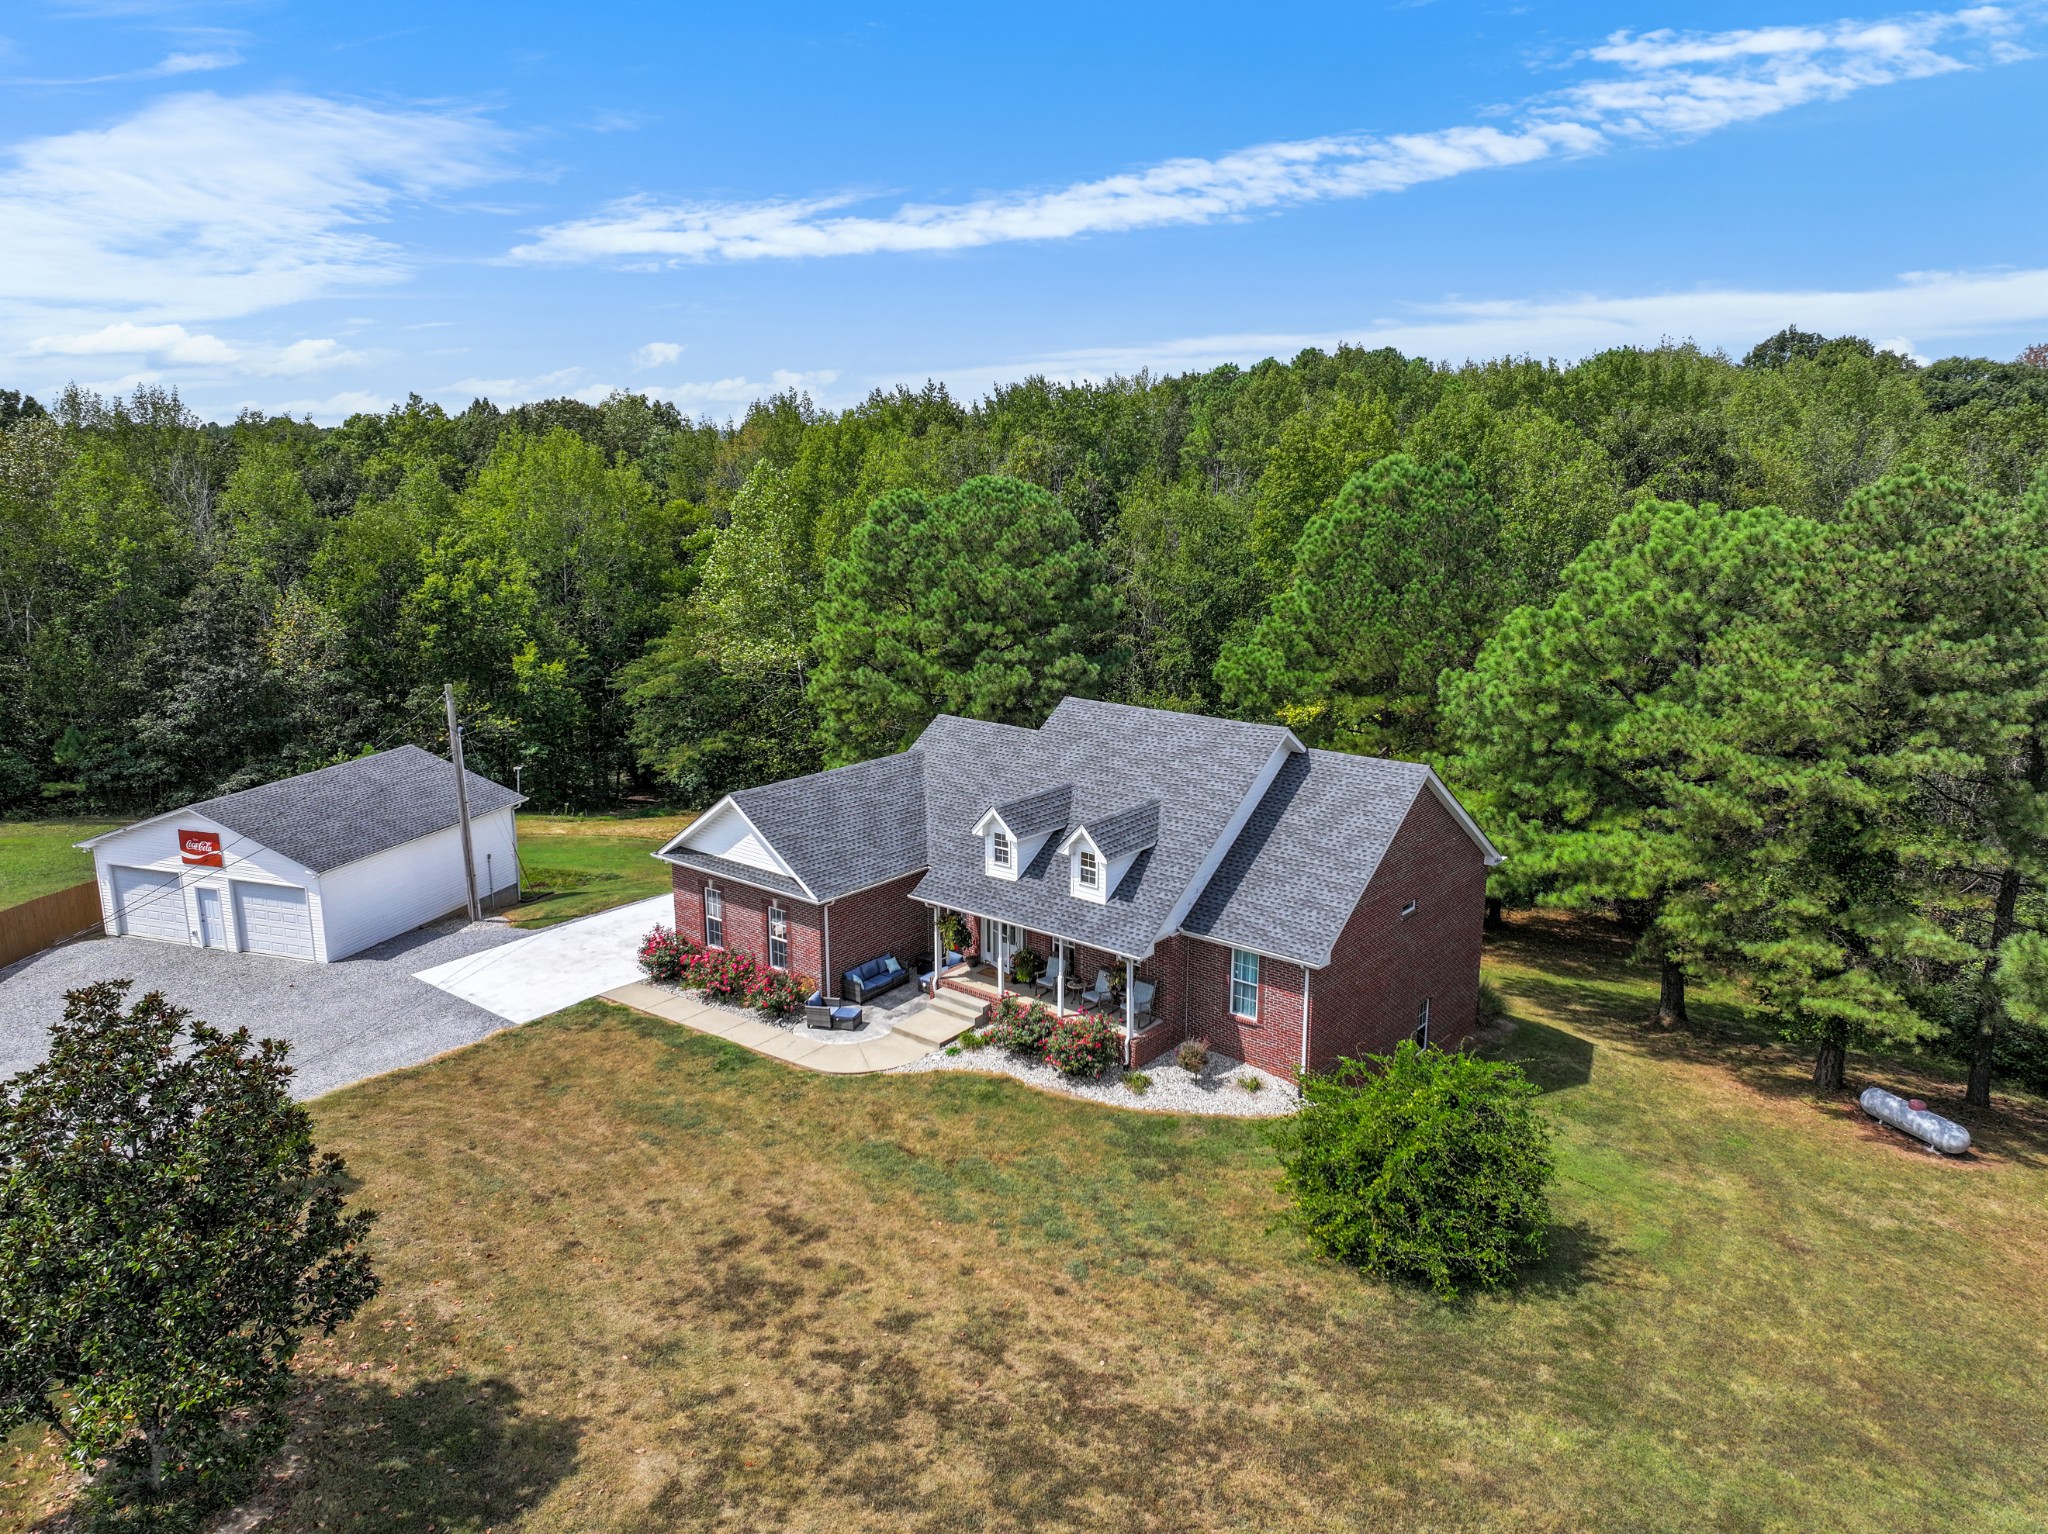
318,208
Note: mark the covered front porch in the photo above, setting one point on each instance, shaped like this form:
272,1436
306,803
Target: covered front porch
987,959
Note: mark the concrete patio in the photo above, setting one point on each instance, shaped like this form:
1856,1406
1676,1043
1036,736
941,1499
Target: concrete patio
890,1038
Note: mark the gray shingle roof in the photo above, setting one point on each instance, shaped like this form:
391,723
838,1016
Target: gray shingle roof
1199,770
840,830
1131,830
1040,812
1289,883
1164,785
739,873
340,814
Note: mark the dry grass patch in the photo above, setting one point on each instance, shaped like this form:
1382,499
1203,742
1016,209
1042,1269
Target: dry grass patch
642,1280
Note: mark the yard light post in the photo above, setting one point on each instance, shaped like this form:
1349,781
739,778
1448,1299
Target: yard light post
461,801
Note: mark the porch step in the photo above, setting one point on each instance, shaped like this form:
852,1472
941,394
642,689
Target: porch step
943,1020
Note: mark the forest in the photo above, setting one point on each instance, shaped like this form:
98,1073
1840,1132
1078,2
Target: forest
1751,654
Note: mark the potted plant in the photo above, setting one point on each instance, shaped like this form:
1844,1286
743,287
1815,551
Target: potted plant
953,931
1026,966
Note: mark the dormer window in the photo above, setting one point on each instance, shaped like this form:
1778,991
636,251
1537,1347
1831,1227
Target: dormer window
1000,852
1088,871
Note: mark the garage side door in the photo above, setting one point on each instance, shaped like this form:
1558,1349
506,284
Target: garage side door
150,904
274,919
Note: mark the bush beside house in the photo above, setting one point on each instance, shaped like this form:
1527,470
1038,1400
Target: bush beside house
1424,1165
734,979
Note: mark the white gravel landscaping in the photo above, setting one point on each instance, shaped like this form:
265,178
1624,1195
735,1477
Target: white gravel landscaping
1173,1090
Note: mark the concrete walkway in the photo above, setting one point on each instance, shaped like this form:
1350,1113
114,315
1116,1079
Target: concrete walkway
557,966
880,1046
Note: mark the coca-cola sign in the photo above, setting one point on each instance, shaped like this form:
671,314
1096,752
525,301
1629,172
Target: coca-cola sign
200,848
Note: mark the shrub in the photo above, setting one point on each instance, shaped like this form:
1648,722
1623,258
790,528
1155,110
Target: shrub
1026,965
971,1040
781,995
1431,1168
1252,1083
1193,1056
1083,1045
1138,1082
733,978
1019,1025
663,954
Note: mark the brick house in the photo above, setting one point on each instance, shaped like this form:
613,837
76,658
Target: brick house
1192,876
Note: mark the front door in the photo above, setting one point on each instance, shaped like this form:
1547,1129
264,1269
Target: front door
213,929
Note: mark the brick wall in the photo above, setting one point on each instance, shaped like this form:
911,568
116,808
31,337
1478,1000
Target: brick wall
876,921
1272,1041
1369,998
881,920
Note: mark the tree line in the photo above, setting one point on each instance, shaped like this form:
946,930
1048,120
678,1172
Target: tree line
1736,649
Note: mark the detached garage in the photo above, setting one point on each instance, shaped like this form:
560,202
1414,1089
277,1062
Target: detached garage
314,867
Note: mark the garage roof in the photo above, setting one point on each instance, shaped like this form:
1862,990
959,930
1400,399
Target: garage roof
337,815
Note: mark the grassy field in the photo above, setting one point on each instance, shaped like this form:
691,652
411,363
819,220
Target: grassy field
572,865
639,1280
37,858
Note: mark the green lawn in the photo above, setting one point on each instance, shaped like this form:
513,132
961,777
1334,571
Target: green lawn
572,865
37,858
639,1280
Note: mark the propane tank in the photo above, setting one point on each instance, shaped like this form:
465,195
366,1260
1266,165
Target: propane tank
1945,1135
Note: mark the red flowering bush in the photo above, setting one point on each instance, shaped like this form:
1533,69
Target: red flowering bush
729,977
665,955
737,979
1015,1024
779,995
1083,1046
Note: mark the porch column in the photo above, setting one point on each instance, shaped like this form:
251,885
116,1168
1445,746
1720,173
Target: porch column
938,953
1130,1010
1059,979
999,961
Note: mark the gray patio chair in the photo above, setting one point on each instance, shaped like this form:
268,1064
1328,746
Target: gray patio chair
1141,997
1099,992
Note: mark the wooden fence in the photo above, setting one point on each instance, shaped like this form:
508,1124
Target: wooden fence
34,925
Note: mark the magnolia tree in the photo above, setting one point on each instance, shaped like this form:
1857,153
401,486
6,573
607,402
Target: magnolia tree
168,1235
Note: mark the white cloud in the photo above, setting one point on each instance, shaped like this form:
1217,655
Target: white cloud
656,354
1922,314
1670,86
175,344
328,411
742,390
202,206
170,64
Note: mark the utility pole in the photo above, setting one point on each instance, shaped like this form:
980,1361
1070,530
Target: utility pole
476,912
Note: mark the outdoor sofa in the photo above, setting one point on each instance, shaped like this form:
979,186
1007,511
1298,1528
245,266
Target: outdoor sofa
865,982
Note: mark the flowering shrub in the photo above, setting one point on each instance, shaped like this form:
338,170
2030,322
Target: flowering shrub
737,979
780,995
664,954
1015,1024
1083,1045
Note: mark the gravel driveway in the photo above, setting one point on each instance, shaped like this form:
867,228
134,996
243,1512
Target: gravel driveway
345,1021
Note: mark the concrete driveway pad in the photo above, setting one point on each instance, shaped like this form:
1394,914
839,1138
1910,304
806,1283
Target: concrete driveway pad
556,967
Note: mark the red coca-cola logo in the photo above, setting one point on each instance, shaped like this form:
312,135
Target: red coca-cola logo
200,848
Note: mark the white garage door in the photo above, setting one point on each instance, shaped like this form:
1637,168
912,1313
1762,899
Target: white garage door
150,904
274,919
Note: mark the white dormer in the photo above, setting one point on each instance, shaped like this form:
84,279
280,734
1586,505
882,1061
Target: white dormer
1012,833
1098,858
999,858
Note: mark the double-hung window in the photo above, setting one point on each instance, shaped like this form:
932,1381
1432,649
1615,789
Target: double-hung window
778,938
1090,870
1421,1033
1244,984
714,918
999,849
